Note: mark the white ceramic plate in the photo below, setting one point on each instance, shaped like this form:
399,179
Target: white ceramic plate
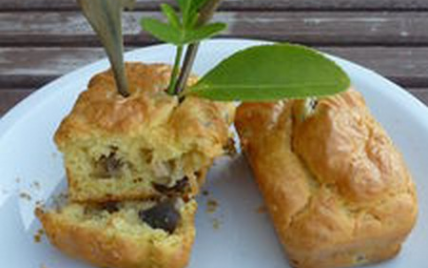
236,235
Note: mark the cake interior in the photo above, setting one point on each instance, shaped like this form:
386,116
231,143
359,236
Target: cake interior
152,219
100,169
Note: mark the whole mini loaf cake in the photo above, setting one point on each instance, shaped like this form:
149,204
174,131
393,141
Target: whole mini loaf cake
337,189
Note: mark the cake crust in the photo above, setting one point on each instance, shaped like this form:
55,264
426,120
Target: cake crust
101,109
332,179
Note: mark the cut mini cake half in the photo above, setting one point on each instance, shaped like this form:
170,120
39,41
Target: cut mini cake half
142,146
141,234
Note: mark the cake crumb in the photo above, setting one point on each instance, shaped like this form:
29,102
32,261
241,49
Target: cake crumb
36,185
216,224
25,196
38,236
261,209
212,205
205,193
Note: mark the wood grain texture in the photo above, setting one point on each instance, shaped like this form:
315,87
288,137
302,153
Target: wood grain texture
10,97
420,93
313,28
239,4
35,66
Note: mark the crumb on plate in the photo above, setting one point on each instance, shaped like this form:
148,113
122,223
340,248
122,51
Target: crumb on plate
25,196
212,205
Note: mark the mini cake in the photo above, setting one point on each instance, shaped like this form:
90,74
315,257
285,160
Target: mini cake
139,234
337,189
142,146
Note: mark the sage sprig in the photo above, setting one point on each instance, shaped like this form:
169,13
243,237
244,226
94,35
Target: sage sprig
263,73
181,29
206,14
105,17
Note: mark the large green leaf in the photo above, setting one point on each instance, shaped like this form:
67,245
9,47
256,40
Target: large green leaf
272,72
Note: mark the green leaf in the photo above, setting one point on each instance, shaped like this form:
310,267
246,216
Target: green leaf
272,72
161,31
189,10
191,36
185,8
170,14
170,34
197,4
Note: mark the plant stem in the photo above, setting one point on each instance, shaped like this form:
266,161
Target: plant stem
105,17
206,14
175,70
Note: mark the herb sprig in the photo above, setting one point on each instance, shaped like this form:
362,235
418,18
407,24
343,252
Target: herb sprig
262,73
189,26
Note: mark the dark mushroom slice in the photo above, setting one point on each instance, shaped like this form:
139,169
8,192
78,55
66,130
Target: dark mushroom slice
163,216
181,187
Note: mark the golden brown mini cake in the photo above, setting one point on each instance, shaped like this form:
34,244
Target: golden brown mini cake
124,235
337,189
141,146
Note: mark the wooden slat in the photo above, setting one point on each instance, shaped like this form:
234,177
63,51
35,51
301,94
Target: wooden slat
315,28
32,67
407,66
238,4
10,97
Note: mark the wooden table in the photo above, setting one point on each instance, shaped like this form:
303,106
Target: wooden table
41,40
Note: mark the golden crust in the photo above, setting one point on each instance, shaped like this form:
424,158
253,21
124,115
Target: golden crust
332,179
149,108
105,247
